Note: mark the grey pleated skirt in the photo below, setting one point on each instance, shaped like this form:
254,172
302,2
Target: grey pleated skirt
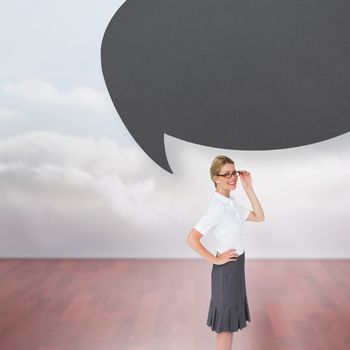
228,309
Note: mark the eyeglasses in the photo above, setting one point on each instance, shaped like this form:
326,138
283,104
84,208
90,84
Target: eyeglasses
228,175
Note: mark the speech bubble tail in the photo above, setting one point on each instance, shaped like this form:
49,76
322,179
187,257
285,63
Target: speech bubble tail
153,145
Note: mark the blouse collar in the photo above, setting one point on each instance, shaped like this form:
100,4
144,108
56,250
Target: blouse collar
224,198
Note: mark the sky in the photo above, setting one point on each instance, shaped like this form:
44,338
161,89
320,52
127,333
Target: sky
74,183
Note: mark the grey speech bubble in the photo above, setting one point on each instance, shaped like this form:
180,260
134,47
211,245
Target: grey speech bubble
233,74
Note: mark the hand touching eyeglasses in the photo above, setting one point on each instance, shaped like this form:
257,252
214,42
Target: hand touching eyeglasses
246,179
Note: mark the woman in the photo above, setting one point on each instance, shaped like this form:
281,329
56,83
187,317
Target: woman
224,217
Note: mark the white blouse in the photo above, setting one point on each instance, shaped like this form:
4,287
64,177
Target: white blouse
225,218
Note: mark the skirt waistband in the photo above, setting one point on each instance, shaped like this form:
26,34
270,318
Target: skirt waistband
237,256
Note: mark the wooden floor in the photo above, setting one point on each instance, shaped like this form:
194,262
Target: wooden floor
155,304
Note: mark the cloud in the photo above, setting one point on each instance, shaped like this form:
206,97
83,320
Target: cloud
52,163
64,195
10,114
42,91
46,176
7,113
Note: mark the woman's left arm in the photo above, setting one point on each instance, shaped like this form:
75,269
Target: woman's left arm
257,214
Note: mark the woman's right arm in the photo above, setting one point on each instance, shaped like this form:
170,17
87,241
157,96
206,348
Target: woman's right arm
193,240
209,219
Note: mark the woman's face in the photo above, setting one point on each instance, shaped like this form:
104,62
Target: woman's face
224,183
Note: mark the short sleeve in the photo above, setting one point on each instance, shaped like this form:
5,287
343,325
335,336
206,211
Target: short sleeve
209,219
243,211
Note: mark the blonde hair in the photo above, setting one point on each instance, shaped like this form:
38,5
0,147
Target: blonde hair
217,164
